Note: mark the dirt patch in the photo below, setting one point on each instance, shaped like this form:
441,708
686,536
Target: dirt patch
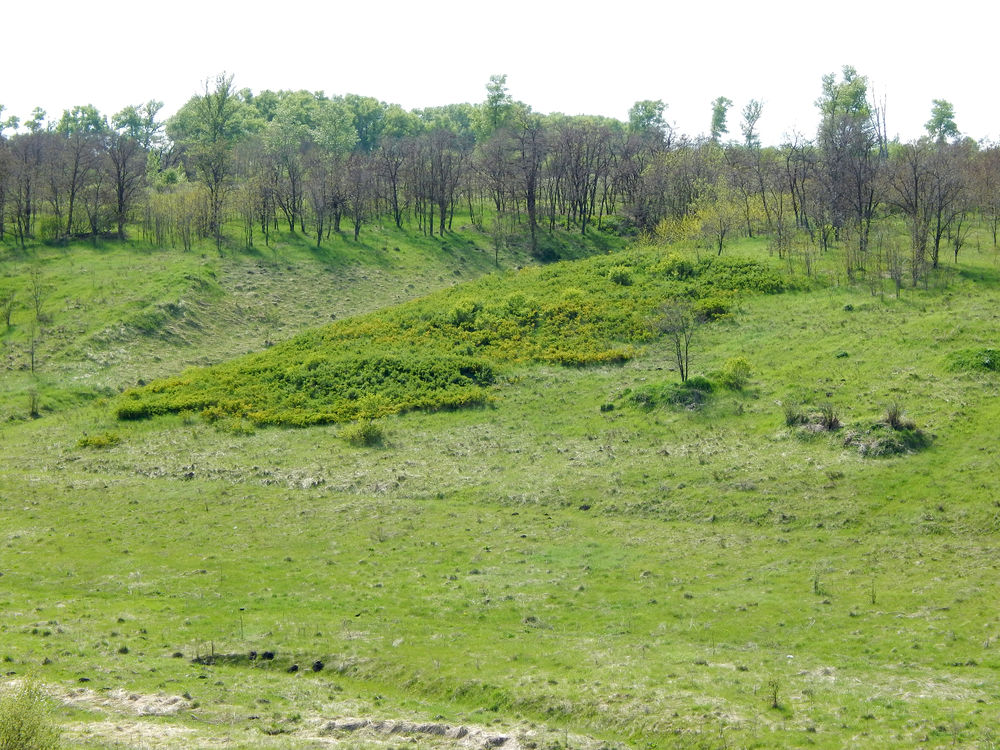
466,736
126,702
140,720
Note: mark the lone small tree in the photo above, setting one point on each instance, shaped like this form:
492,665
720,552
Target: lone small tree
7,300
678,321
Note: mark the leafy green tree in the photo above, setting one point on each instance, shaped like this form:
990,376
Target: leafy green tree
295,117
10,123
646,118
458,119
748,126
941,127
720,212
208,128
331,139
37,122
399,123
496,111
720,108
853,149
264,103
368,116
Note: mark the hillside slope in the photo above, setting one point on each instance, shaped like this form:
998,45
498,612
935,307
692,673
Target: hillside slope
584,561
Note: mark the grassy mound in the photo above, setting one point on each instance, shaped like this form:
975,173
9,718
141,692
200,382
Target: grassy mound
690,394
976,360
444,350
881,439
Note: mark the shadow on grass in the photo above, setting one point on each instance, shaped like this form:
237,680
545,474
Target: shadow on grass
981,274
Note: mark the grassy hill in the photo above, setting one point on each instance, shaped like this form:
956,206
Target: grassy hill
591,557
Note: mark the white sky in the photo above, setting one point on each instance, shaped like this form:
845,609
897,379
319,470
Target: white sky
572,56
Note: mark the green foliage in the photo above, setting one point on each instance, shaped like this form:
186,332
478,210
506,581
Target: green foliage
103,440
646,118
446,349
720,108
713,307
699,383
975,360
691,393
25,723
364,433
48,228
620,275
281,387
941,127
738,274
735,373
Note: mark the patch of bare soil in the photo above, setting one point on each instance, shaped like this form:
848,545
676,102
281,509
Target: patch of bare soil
127,702
463,736
139,720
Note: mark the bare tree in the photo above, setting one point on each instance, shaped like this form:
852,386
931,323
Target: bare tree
948,205
8,298
81,131
37,290
677,321
359,188
909,186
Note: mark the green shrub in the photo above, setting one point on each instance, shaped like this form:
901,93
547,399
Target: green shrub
698,383
363,434
324,384
735,373
713,307
104,440
738,274
24,719
976,360
48,228
691,393
675,266
620,275
463,314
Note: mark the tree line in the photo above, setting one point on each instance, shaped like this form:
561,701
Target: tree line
231,161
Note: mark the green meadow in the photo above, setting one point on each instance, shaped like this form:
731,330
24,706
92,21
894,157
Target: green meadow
465,501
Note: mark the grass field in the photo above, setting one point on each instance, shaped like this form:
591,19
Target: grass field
564,566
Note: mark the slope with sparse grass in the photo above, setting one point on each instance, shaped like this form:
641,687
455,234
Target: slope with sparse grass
585,560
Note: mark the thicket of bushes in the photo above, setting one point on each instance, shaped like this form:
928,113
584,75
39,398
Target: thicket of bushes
446,350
